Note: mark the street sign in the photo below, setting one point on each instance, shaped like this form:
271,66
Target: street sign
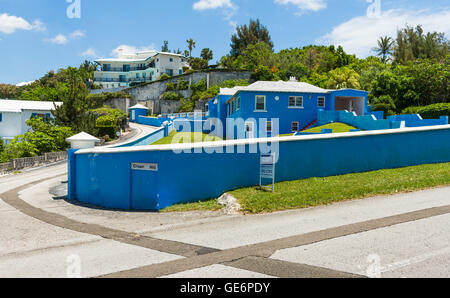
153,167
267,170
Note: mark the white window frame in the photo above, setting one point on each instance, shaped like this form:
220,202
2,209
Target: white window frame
238,103
292,126
296,99
318,102
256,103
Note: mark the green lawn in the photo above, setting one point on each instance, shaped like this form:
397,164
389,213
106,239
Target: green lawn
321,191
336,127
186,137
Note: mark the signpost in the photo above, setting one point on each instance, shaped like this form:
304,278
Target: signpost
267,170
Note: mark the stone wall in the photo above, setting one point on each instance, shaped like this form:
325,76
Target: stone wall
121,103
30,162
152,92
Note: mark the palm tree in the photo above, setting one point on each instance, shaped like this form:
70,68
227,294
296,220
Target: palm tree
342,78
385,48
191,45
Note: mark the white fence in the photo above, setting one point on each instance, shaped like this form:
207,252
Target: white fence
30,162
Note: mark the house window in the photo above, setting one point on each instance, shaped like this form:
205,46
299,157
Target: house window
269,126
171,59
238,103
1,117
260,103
321,102
294,126
296,101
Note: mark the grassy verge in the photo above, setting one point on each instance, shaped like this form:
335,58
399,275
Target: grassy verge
321,191
186,137
336,127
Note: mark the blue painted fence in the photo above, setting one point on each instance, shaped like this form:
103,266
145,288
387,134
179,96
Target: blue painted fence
417,121
105,178
366,122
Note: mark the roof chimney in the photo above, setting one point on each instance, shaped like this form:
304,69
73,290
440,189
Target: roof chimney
293,79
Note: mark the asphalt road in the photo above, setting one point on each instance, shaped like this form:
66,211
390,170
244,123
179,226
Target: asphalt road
44,235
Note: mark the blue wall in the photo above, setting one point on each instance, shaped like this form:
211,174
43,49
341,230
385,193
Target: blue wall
137,113
367,122
415,120
106,179
151,121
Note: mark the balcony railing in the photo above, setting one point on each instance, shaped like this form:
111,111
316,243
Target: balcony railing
121,69
110,80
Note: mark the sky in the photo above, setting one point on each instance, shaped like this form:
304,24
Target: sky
42,35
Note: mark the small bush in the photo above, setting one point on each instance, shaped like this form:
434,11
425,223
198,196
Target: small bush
170,86
183,85
171,96
164,76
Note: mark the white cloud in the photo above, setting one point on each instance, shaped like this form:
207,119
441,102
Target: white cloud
77,34
62,39
127,49
89,53
25,83
59,39
9,24
360,34
213,4
304,5
228,8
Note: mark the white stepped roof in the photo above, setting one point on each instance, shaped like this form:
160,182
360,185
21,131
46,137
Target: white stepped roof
281,86
138,106
230,91
82,136
17,106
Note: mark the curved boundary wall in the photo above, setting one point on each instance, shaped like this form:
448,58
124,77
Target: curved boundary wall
104,176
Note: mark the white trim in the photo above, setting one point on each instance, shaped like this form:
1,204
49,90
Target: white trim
265,103
324,101
261,140
295,106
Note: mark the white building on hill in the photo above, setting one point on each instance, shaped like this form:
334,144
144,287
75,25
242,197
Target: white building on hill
137,68
14,113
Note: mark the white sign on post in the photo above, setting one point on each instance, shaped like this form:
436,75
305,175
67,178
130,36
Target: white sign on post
267,170
153,167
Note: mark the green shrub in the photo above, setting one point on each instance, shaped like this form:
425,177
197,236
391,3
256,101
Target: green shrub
109,132
164,76
183,85
170,86
200,86
171,96
434,111
106,121
186,105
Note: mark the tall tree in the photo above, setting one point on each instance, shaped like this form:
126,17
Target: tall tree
165,47
385,48
252,34
344,78
191,45
207,54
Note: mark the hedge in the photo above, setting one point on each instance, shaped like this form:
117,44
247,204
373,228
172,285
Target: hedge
434,111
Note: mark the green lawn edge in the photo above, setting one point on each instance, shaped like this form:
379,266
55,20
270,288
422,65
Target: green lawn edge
313,192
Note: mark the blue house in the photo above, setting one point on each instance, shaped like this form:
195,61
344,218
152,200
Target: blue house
136,111
266,109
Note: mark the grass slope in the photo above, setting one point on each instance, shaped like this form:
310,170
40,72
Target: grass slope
186,137
321,191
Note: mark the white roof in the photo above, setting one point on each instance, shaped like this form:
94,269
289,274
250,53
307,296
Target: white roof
281,86
138,106
82,136
230,91
17,106
137,57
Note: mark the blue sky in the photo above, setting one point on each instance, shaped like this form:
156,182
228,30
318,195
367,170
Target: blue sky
37,36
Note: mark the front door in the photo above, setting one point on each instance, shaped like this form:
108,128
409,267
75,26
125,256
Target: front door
249,130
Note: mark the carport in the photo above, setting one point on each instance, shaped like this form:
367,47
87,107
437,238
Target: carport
350,103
